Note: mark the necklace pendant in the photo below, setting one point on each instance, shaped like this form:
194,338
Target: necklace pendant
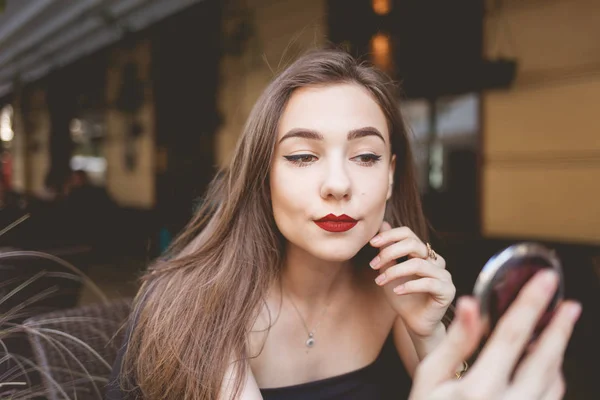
310,342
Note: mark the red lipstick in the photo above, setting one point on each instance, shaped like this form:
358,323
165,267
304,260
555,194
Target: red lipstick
332,223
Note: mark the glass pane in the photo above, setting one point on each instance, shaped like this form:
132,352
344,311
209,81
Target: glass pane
88,134
458,115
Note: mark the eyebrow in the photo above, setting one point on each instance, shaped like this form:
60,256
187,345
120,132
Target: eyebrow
314,135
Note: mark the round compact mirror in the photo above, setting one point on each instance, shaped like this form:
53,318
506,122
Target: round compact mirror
507,272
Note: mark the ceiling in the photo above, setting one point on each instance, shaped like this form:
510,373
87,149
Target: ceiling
37,36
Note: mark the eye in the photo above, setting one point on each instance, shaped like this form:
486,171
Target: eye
367,159
301,160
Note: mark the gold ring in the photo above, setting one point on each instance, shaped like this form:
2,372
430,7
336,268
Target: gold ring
459,374
430,253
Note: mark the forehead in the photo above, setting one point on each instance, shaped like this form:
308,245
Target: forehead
329,109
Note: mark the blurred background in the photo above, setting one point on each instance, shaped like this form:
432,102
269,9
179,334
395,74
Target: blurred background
115,115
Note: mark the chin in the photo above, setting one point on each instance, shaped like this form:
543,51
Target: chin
341,252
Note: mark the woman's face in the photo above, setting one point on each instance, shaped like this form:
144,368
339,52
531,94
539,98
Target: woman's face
332,171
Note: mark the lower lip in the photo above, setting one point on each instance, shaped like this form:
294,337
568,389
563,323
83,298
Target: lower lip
336,226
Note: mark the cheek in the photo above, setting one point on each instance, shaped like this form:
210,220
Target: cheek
373,200
286,194
374,189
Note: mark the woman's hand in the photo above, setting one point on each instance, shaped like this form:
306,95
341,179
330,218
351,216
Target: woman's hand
419,289
538,376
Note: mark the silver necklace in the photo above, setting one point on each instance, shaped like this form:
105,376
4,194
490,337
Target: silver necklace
310,342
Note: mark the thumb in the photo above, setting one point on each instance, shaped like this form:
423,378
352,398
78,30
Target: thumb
464,335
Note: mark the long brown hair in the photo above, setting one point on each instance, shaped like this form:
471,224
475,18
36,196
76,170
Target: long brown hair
195,309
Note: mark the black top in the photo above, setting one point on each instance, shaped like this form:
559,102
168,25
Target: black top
385,378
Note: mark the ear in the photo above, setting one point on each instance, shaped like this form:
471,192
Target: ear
391,176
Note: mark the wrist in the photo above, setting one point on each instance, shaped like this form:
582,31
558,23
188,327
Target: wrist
425,344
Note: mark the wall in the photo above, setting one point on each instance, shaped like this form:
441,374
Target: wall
18,149
133,188
541,138
31,152
283,30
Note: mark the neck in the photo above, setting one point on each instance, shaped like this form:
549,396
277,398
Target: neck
313,282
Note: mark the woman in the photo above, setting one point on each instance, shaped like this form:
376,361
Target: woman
268,292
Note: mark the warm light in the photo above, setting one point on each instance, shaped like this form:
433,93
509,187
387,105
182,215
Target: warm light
7,135
381,51
380,44
6,132
382,7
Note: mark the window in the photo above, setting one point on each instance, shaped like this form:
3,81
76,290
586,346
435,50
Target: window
88,135
436,130
445,139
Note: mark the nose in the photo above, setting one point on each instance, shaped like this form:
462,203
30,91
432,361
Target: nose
337,183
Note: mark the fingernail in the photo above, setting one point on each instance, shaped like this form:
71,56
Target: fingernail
376,239
548,279
374,262
379,280
399,289
575,311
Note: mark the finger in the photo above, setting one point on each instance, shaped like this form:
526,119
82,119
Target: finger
411,247
414,266
557,388
435,287
389,235
513,331
553,390
538,369
385,227
463,337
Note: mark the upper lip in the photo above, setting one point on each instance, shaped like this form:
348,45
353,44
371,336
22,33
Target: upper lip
334,218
